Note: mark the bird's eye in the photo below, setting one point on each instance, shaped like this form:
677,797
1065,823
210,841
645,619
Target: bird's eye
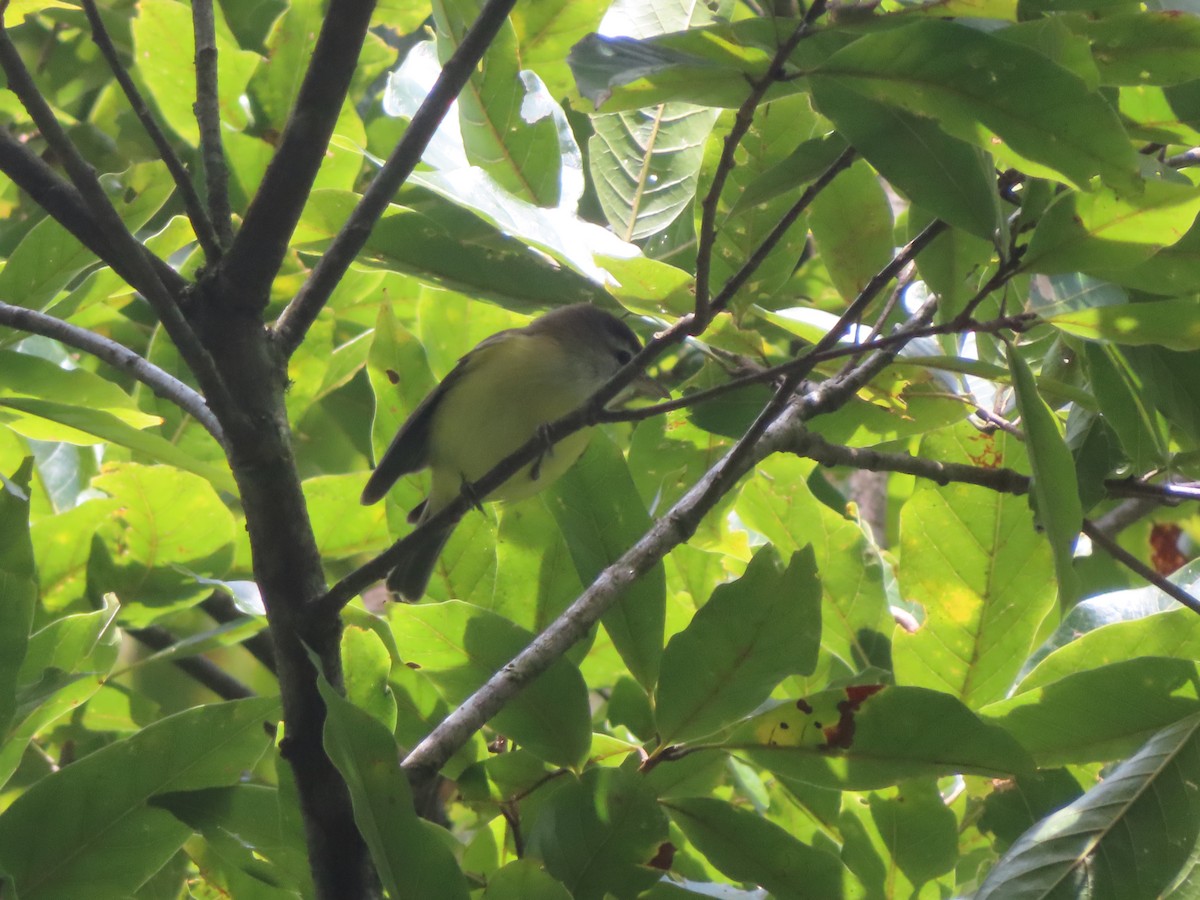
623,356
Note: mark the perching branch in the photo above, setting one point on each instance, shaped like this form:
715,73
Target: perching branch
674,528
191,200
259,248
299,315
592,412
120,357
208,117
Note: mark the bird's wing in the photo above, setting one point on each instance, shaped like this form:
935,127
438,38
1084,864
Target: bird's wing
409,449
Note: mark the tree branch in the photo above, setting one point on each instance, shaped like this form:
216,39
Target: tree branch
187,191
222,609
593,411
299,315
118,356
744,118
115,238
1131,562
208,117
672,529
258,249
205,671
811,359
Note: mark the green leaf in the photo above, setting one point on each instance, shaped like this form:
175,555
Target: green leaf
523,879
52,421
971,559
1103,231
918,829
597,834
1170,381
1126,837
343,529
980,88
169,524
855,623
412,861
1073,720
474,258
18,587
458,647
946,176
745,847
241,827
851,223
106,839
1055,486
545,32
366,665
1165,634
601,515
869,736
1138,425
749,636
1168,323
1146,47
645,165
504,114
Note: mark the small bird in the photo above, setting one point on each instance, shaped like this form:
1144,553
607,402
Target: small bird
495,399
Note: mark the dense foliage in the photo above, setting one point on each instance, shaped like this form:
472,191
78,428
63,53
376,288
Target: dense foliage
970,675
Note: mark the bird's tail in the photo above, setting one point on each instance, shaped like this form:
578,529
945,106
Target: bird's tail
412,573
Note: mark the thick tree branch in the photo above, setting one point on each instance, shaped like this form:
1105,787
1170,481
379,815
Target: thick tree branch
187,191
118,356
258,249
302,311
208,117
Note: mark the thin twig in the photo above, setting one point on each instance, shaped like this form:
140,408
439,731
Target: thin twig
117,240
183,183
208,118
766,376
299,315
776,234
66,206
202,670
743,119
118,356
258,249
1131,562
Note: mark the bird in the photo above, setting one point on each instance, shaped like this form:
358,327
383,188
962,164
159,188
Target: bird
499,395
